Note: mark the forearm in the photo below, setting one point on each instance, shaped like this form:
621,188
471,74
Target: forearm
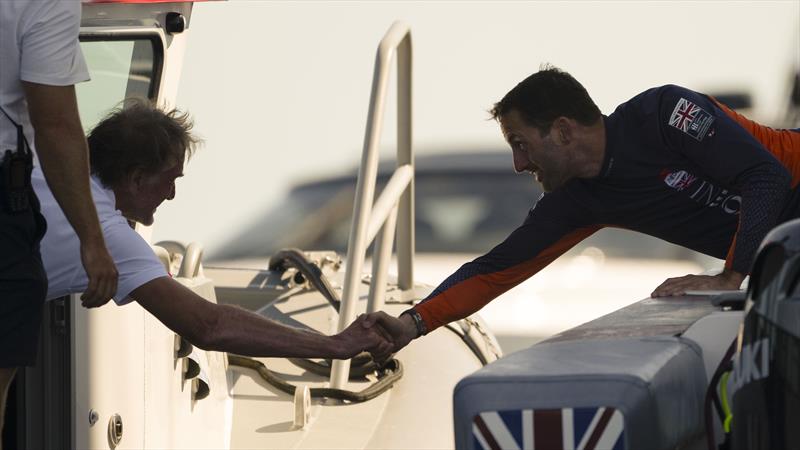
523,254
63,158
243,332
63,155
763,198
227,328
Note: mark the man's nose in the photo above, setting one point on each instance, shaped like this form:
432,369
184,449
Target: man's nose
171,194
521,162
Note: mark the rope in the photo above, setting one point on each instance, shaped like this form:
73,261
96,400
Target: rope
360,366
389,374
465,336
292,257
725,406
712,398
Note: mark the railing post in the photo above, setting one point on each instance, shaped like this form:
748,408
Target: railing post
380,262
405,155
398,38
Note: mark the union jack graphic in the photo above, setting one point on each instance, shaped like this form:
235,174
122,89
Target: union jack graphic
546,429
679,179
692,120
683,114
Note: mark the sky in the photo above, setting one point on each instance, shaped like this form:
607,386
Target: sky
279,90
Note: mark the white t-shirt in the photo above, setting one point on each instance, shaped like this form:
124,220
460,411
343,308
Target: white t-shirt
38,44
60,247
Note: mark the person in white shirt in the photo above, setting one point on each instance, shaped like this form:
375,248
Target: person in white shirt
40,62
136,154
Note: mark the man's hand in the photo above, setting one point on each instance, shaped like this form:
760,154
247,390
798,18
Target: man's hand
727,280
363,335
400,330
101,271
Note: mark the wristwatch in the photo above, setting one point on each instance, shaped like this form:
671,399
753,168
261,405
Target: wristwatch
418,322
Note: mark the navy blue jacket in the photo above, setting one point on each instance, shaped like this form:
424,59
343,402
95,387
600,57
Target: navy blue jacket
678,166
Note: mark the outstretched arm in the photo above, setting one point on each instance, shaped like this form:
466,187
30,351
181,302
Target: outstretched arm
528,249
231,329
547,233
63,154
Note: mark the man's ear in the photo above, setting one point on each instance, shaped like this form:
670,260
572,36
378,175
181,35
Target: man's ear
135,180
563,130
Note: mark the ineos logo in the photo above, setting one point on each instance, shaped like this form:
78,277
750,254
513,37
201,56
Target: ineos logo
703,192
712,196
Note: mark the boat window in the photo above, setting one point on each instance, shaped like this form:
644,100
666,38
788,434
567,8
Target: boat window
120,68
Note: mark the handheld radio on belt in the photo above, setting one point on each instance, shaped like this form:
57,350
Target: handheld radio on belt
17,166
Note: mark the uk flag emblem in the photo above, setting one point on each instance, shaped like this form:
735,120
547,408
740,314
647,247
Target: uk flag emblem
691,119
567,428
679,179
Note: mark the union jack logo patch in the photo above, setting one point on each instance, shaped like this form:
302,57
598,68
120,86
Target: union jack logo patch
691,119
543,429
679,179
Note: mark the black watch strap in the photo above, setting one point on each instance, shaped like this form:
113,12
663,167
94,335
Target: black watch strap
418,322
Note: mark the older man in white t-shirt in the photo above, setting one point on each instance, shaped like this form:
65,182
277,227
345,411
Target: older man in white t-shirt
136,155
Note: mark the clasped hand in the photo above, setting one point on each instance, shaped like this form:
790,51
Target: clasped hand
377,333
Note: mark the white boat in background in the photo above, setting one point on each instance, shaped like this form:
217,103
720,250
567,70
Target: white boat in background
115,377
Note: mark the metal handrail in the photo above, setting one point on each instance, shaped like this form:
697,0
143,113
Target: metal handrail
395,206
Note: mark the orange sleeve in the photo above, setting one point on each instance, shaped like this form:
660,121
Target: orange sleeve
783,144
466,297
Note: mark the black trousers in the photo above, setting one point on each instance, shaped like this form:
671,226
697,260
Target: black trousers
23,281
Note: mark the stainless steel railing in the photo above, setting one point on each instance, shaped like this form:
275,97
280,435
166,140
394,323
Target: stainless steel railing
395,206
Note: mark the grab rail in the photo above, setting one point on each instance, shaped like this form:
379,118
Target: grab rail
395,206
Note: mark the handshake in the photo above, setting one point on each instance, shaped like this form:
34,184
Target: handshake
377,333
